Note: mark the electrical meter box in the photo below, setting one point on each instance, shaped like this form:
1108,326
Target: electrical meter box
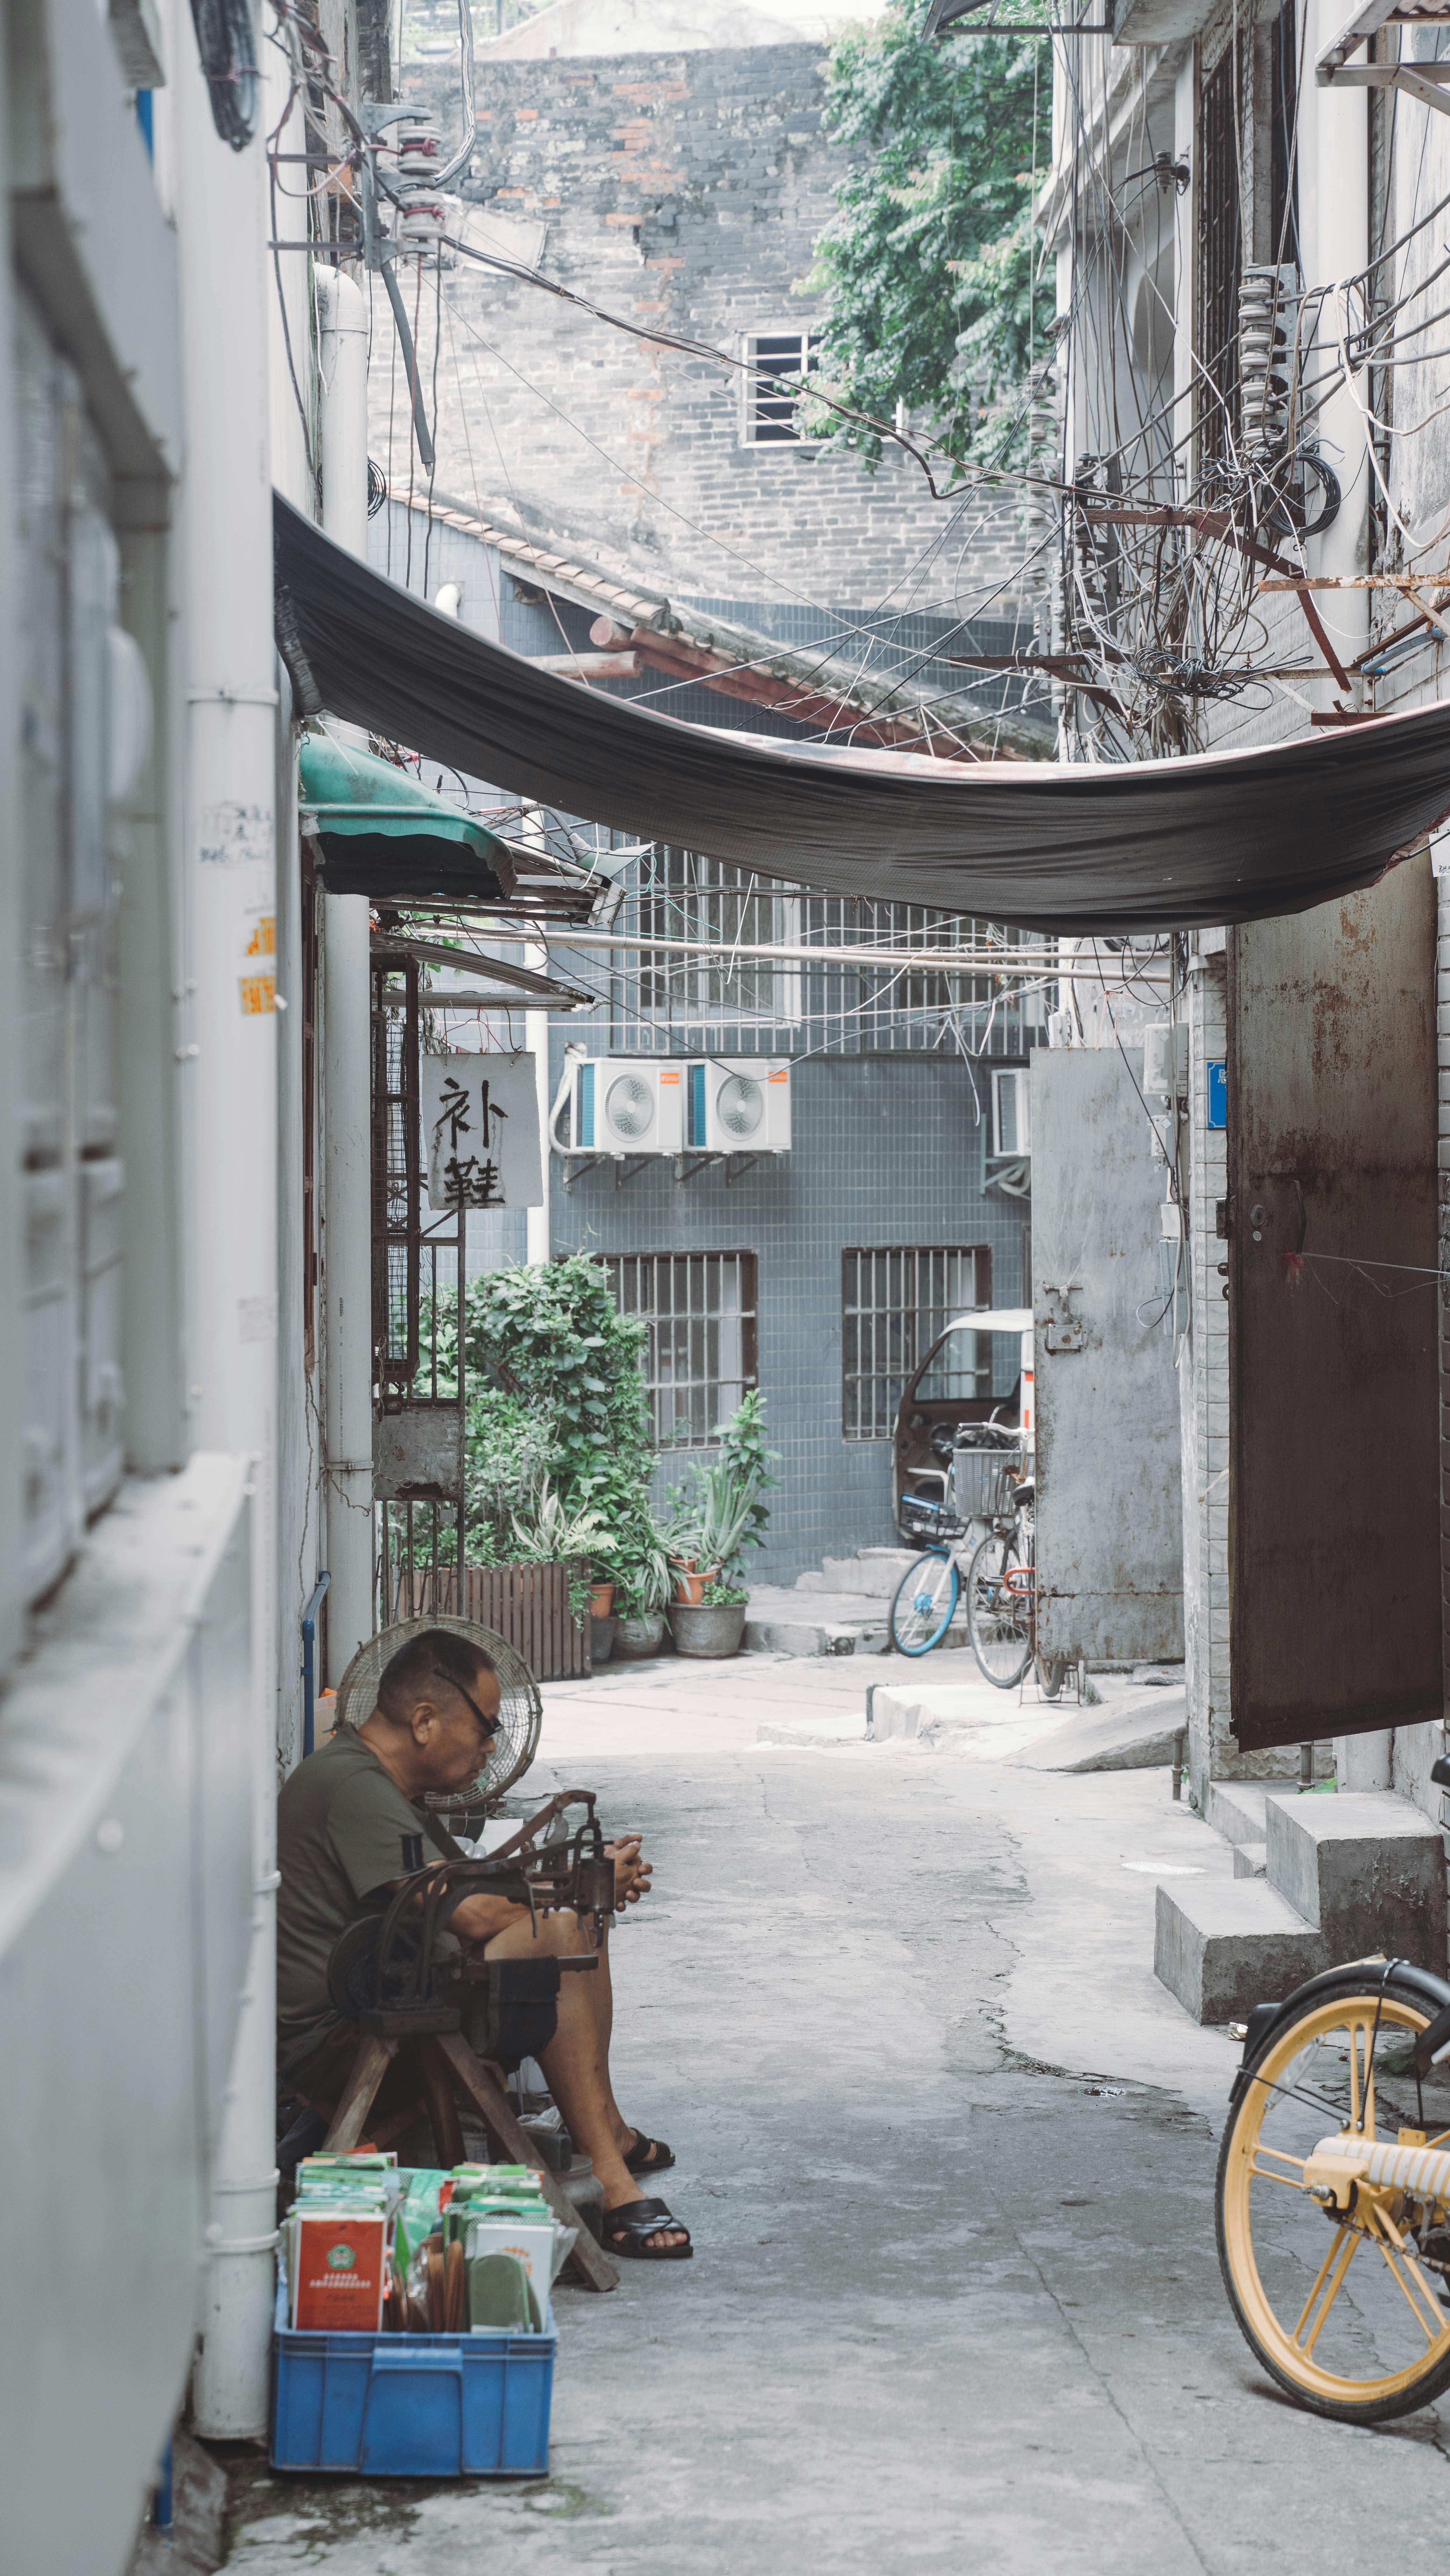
1165,1058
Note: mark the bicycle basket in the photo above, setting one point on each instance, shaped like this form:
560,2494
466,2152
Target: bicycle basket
920,1520
982,1481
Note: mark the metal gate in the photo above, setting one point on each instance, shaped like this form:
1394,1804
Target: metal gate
1334,1541
418,1359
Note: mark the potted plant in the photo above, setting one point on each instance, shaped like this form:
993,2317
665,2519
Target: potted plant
641,1588
713,1625
715,1517
690,1578
713,1526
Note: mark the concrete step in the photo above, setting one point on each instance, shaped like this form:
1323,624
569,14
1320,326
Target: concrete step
781,1622
1236,1810
1224,1945
1365,1869
873,1572
1249,1859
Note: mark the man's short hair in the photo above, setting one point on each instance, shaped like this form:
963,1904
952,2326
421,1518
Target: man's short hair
406,1676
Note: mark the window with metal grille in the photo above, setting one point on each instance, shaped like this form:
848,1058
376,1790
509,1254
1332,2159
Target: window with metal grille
1219,255
895,1302
777,364
725,910
699,1358
716,998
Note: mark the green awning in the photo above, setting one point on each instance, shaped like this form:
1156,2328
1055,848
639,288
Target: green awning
384,836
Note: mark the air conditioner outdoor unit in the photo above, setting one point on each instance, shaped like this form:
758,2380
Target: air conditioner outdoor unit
739,1105
628,1104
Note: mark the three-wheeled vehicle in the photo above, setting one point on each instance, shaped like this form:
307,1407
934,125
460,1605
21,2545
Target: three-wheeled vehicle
980,1370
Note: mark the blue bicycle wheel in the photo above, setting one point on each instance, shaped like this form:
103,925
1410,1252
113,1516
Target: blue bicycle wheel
926,1596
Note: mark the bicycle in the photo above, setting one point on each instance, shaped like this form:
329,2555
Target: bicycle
1326,2174
1000,1575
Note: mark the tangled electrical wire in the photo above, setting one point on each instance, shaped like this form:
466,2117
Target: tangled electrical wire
226,42
1191,492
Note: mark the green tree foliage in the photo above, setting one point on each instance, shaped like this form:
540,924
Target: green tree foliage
550,1335
558,1454
928,264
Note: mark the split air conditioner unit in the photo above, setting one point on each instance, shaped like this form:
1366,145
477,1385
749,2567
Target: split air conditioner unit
738,1105
628,1104
651,1104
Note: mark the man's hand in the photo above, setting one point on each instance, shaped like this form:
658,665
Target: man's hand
631,1874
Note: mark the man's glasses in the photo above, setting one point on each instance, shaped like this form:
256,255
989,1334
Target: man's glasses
488,1724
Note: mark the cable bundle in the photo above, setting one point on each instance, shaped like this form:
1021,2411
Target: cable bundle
226,41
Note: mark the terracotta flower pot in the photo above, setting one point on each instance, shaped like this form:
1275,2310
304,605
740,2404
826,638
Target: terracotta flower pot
601,1600
690,1580
713,1631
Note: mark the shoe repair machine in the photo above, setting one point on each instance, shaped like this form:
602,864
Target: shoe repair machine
393,1978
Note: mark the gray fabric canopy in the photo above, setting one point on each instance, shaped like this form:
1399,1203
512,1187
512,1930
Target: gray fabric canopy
1152,845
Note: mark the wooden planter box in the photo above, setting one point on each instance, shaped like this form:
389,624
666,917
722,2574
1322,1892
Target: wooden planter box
527,1604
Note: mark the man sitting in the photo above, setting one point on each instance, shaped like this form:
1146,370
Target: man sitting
340,1822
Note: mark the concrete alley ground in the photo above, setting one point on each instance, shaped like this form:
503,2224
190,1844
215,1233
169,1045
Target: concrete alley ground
947,2151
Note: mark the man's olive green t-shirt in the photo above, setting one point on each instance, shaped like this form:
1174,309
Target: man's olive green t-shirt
340,1827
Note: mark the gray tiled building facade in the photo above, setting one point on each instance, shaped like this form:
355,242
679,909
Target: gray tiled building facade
885,1151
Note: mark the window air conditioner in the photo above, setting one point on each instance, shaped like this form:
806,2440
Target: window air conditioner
625,1104
739,1105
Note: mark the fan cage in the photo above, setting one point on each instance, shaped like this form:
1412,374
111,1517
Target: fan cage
740,1105
520,1712
629,1106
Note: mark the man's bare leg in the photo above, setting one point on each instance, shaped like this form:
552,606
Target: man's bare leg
602,1995
576,2060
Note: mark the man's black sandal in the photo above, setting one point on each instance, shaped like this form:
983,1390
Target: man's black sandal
648,2155
627,2231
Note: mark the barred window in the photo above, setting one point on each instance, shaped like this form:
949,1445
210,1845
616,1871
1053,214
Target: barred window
699,1358
714,997
777,363
724,908
895,1302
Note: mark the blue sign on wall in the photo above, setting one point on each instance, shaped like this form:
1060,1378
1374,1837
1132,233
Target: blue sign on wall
1217,1095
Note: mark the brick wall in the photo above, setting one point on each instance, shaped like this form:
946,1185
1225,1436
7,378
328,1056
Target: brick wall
685,191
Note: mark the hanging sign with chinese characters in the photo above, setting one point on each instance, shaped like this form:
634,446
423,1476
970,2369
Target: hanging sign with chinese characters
481,1132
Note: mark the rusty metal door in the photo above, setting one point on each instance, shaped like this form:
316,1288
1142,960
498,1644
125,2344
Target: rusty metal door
1109,1491
1334,1542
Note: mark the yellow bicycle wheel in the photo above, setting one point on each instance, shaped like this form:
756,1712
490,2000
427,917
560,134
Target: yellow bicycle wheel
1345,2301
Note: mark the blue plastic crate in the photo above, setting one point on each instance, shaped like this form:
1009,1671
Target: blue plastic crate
412,2406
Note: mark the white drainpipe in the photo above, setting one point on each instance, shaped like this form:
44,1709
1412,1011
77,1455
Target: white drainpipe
347,1252
226,1043
537,1223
